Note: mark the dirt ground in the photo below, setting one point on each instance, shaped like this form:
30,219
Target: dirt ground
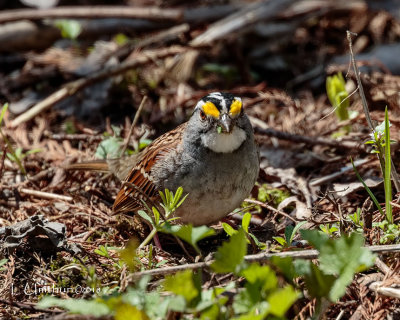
91,88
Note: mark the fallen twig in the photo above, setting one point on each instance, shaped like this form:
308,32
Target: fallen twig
92,12
266,206
250,14
73,87
29,306
385,291
135,120
260,257
45,195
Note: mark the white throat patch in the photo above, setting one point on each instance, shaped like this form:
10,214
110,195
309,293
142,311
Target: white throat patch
224,142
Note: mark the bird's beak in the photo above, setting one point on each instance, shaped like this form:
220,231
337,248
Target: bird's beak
226,123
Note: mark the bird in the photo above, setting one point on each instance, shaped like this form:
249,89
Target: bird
213,157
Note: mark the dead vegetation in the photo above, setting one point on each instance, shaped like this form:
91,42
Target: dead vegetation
68,95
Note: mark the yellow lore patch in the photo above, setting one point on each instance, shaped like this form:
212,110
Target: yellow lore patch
236,107
210,109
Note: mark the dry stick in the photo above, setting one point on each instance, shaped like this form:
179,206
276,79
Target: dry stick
93,12
385,291
260,257
74,136
266,206
46,195
28,306
239,20
394,174
135,120
73,87
382,266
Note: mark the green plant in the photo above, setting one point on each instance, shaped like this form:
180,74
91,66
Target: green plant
376,202
356,219
245,226
15,155
338,96
381,144
2,263
261,297
328,229
290,232
70,29
273,196
387,176
109,148
19,155
170,202
339,260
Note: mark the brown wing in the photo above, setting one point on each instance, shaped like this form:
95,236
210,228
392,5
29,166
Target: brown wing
139,185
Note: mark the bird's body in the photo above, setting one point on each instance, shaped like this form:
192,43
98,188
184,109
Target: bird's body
213,157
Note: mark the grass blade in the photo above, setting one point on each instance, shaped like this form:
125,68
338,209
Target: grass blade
366,188
388,165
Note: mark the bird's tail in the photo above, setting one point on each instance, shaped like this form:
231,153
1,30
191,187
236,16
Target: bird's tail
94,165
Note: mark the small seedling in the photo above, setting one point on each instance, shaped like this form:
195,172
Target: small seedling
338,97
245,226
70,29
290,233
356,219
328,229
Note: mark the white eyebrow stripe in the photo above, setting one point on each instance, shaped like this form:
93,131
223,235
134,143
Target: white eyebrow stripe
199,104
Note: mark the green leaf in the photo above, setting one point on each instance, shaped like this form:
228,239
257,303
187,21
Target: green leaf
230,255
318,284
156,214
339,260
109,148
102,251
337,94
376,202
281,300
344,257
280,240
128,254
263,276
228,229
189,233
3,262
78,306
184,283
294,231
288,234
246,221
70,29
3,112
145,216
245,300
260,245
388,165
127,311
315,238
143,143
286,266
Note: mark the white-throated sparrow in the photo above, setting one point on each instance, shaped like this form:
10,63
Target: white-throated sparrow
213,157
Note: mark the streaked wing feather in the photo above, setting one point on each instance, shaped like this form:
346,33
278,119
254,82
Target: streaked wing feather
129,198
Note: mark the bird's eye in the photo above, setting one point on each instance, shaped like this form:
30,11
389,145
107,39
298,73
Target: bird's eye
202,115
